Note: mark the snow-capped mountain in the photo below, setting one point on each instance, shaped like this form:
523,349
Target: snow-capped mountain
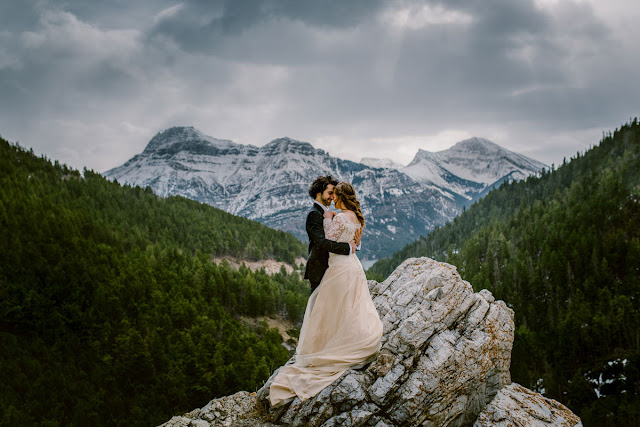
470,168
380,163
269,184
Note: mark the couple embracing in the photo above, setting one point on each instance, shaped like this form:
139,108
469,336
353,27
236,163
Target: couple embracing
341,327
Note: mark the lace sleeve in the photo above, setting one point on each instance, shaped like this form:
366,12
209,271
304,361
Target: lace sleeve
333,228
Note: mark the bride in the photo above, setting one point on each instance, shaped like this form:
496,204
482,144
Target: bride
341,327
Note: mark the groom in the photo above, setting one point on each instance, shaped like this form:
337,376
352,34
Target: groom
321,191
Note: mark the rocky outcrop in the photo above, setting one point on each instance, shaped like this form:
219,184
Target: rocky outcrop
515,405
445,357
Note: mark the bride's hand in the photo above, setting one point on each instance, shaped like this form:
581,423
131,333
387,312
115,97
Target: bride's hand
358,236
329,214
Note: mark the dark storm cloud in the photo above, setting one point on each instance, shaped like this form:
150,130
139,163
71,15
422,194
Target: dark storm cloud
102,77
20,15
207,25
508,46
261,31
227,17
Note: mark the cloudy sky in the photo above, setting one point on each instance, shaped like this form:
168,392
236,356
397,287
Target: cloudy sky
90,82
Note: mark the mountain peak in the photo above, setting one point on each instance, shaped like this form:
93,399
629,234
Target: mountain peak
476,144
288,145
480,160
380,163
184,134
473,145
473,160
422,155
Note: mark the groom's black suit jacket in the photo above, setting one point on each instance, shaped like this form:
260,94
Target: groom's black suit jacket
319,247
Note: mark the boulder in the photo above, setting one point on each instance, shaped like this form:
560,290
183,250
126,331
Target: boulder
515,405
238,410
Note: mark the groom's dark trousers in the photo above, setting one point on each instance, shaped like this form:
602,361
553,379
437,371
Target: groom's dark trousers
319,247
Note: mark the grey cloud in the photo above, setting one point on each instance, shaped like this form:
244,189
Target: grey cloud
20,15
512,63
523,70
255,70
203,25
16,15
474,68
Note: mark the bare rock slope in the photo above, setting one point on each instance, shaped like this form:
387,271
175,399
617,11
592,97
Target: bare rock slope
444,362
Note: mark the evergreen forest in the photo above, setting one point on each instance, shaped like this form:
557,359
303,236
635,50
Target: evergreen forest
111,310
563,251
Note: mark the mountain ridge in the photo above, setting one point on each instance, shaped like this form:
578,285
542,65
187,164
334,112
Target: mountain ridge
269,184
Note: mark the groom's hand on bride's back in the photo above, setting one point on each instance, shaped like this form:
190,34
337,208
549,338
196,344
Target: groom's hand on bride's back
358,235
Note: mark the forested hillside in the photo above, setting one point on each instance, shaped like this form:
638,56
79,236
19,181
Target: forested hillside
111,311
563,250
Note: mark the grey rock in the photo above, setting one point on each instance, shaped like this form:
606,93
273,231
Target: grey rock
238,410
445,355
515,405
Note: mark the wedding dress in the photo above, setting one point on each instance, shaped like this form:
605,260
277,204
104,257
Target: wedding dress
341,327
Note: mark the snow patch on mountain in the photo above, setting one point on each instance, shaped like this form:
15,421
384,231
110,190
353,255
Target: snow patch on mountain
380,163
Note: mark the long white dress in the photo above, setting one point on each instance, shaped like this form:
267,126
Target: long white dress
341,327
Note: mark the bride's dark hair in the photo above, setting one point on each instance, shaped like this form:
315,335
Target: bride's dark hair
347,195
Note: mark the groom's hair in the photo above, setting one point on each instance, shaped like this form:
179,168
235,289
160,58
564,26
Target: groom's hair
320,184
